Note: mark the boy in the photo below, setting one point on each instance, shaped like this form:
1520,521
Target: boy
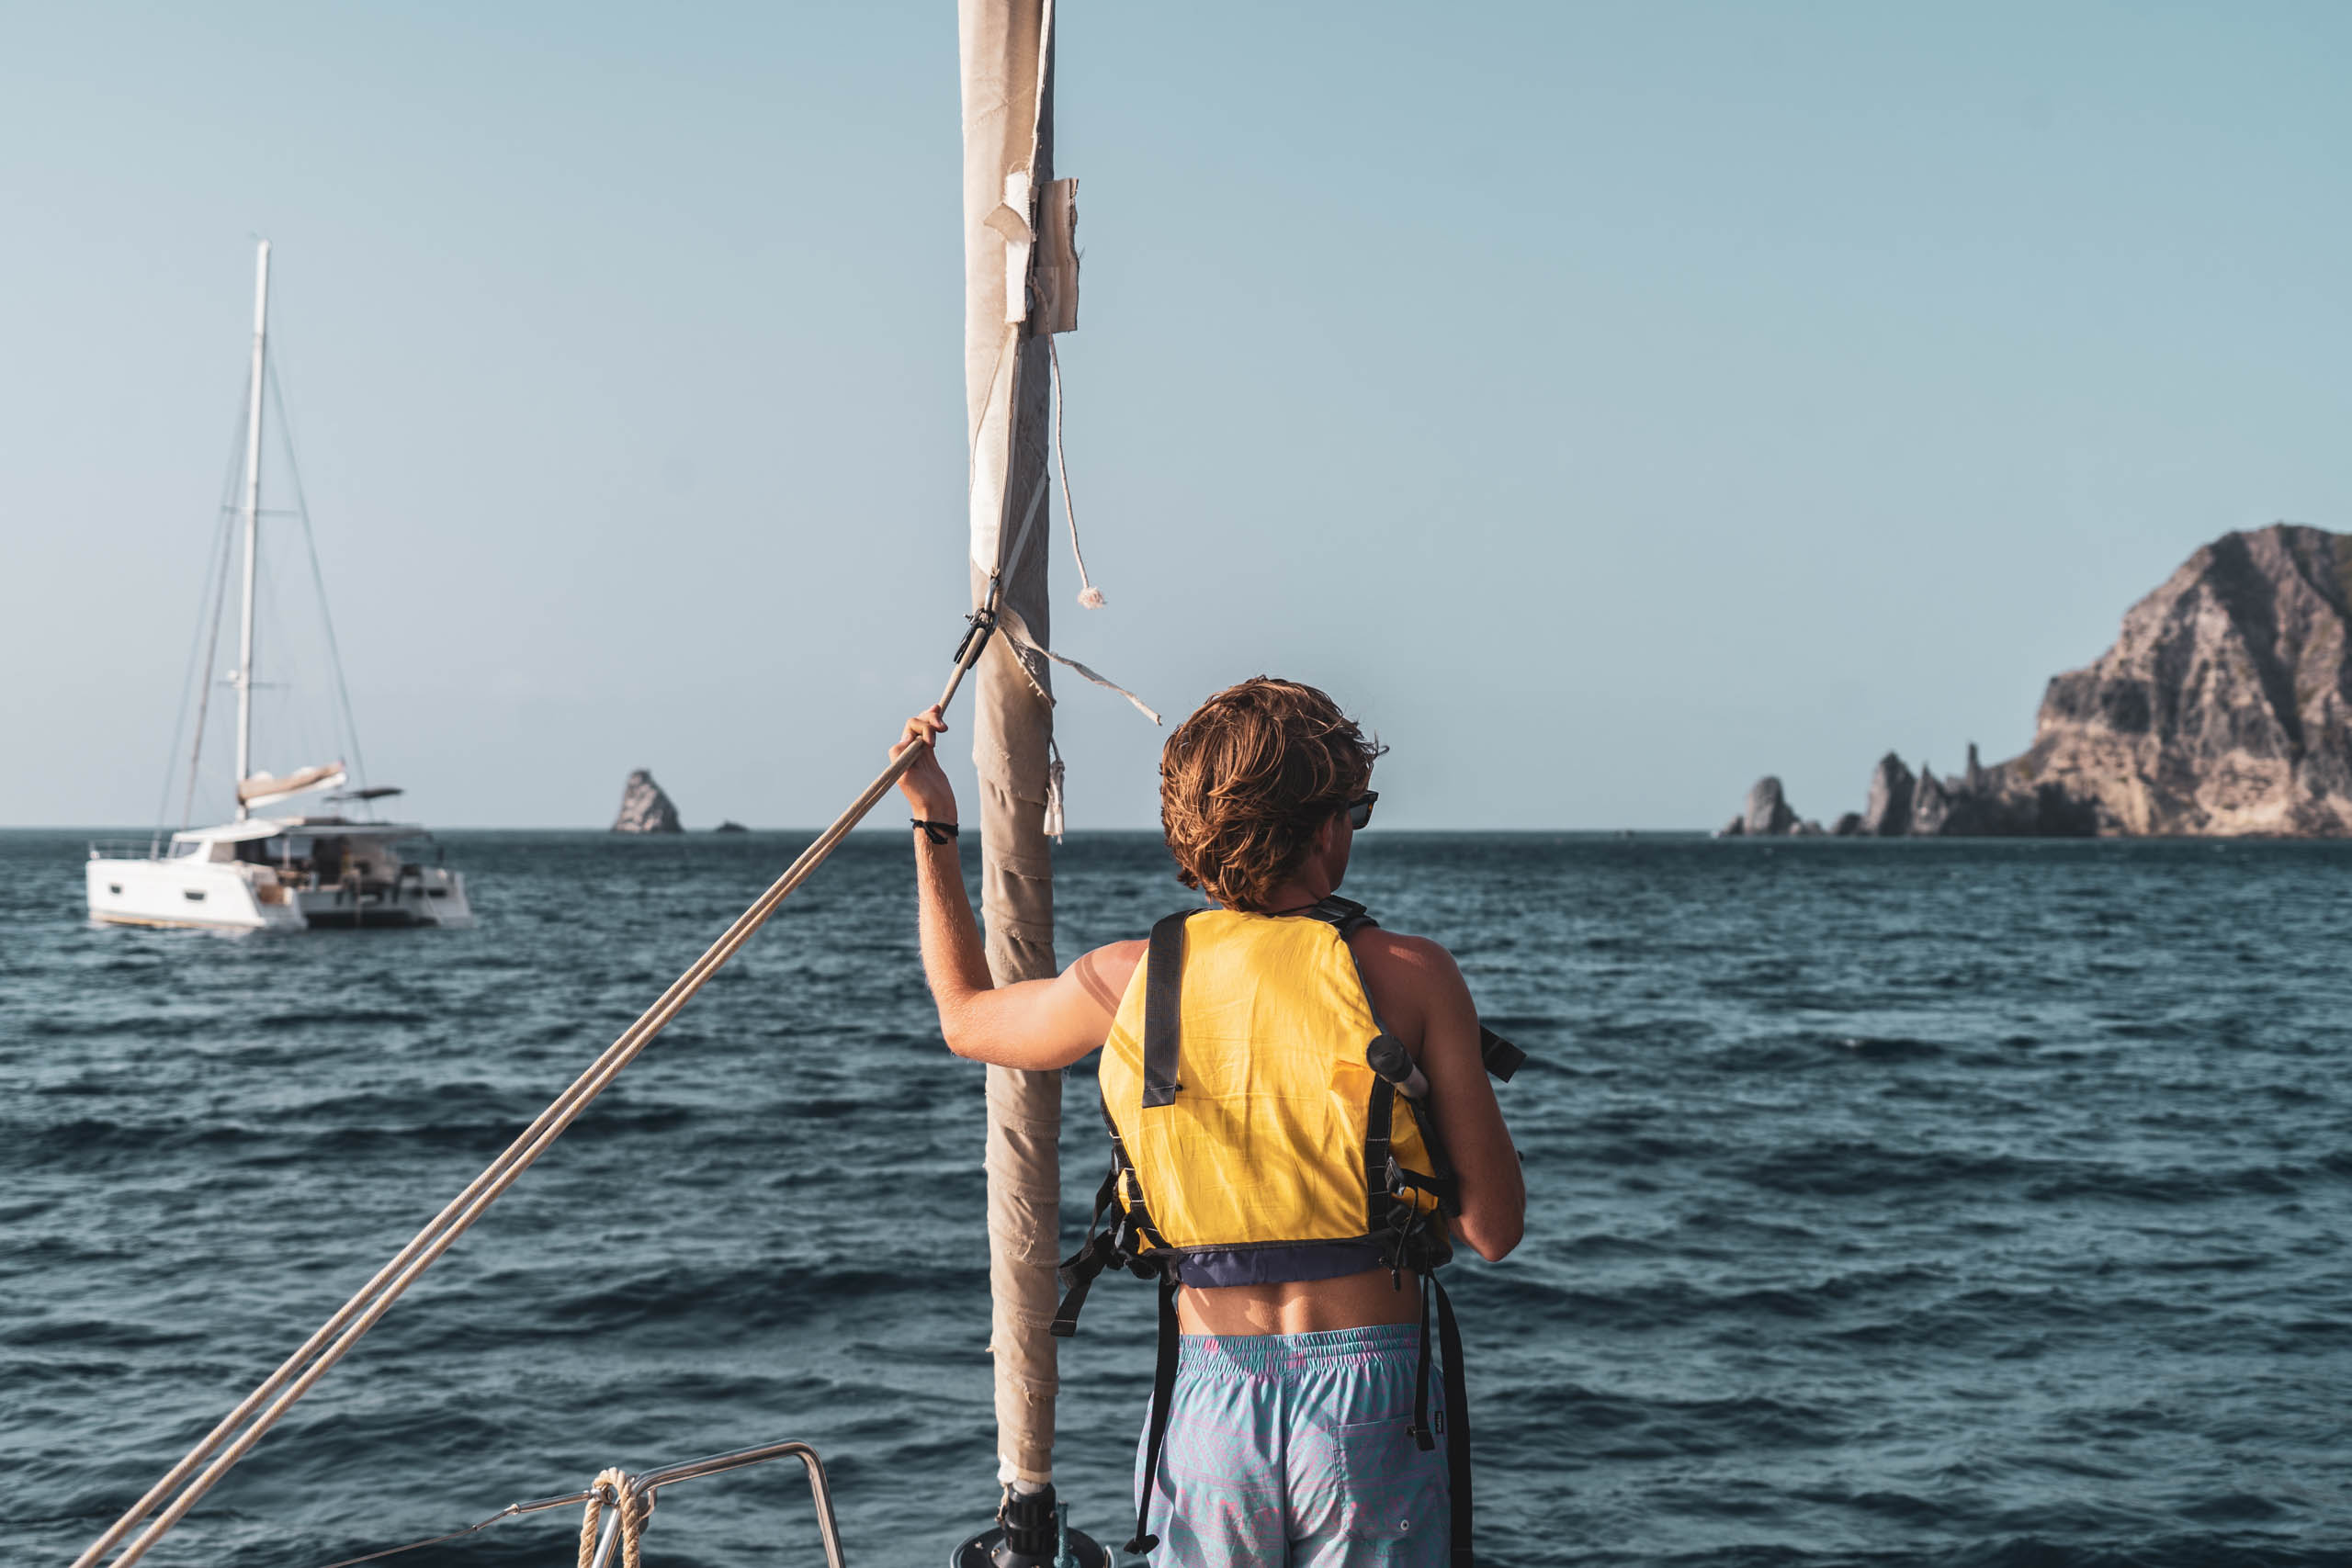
1297,1430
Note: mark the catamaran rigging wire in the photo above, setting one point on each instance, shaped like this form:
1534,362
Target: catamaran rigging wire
318,578
217,579
198,681
295,1377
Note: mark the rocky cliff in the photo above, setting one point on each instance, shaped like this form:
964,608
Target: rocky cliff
644,809
2224,707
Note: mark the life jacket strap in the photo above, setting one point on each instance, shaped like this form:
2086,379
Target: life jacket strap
1379,1196
1122,1243
1422,1440
1457,1422
1078,1271
1163,1392
1163,1009
1344,914
1446,1188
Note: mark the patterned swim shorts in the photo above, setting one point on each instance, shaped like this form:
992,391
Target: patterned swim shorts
1298,1449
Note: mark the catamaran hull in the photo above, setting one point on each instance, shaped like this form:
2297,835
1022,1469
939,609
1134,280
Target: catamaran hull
210,896
438,901
191,893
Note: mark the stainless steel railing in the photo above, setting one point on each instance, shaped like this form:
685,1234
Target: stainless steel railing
124,849
648,1485
645,1488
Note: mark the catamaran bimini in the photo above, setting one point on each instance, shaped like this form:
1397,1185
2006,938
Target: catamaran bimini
281,873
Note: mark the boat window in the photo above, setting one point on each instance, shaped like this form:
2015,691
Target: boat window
114,888
255,852
183,848
193,895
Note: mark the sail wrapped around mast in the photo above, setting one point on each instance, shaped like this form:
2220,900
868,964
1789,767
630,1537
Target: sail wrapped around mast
263,790
1020,286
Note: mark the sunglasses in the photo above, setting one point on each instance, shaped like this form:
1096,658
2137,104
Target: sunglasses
1360,810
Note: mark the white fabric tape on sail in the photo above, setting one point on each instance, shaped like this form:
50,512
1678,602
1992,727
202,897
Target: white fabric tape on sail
985,537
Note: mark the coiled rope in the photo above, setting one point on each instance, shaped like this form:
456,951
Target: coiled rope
632,1508
239,1430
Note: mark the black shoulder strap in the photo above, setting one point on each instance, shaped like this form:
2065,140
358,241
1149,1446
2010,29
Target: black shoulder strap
1163,1390
1345,914
1163,1009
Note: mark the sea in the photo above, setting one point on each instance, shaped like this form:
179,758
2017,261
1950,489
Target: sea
1940,1203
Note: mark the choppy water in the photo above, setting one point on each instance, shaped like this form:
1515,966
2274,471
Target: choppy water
1937,1203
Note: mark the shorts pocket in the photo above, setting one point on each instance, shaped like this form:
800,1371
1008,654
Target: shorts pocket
1380,1485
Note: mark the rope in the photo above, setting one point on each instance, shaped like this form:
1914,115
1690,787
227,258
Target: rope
301,1370
632,1507
1088,595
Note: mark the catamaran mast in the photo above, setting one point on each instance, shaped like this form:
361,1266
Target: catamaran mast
1010,309
252,531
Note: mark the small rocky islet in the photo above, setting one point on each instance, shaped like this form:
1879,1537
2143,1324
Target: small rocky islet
2223,709
645,808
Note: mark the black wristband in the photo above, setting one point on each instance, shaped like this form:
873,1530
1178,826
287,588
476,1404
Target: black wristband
937,832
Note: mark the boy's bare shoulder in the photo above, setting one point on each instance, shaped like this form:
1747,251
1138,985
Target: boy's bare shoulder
1105,973
1115,960
1413,960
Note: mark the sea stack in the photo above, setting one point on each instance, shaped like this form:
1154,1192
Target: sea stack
1768,815
1768,810
1887,814
645,809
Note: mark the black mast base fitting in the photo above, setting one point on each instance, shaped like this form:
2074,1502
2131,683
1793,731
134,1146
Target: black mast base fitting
1032,1531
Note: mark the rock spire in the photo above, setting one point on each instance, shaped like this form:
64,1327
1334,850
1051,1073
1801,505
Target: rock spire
645,809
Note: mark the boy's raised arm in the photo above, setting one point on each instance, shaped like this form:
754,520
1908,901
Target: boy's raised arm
1035,1024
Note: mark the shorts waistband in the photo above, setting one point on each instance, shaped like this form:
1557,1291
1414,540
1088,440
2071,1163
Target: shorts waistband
1264,1355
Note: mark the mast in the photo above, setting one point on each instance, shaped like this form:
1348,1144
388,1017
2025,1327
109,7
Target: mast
1007,62
252,531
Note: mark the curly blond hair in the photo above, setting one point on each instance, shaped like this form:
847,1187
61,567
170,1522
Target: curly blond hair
1249,779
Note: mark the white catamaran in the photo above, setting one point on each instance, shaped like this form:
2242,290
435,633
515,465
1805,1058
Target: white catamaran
274,873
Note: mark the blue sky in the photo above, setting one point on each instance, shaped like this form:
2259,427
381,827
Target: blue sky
1609,404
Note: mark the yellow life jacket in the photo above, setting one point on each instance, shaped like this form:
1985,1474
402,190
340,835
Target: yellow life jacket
1255,1143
